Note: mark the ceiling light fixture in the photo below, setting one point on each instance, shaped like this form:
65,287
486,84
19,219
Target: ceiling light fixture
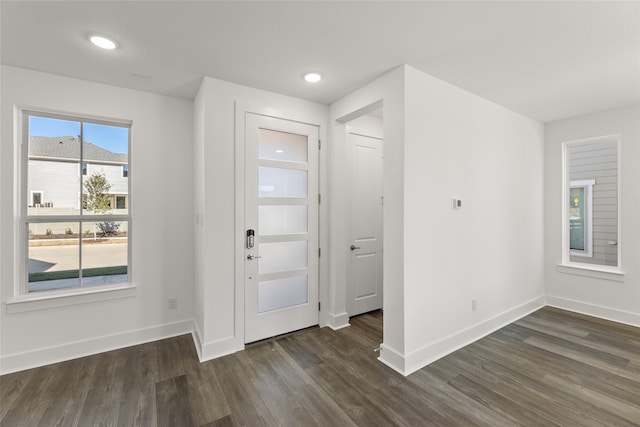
312,77
103,42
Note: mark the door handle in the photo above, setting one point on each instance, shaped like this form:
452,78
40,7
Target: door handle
354,247
252,257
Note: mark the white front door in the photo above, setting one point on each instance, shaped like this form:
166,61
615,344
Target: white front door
365,284
281,226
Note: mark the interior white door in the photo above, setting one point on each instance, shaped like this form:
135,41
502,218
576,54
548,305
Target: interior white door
281,226
365,286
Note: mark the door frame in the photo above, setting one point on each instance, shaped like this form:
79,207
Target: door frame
340,241
305,117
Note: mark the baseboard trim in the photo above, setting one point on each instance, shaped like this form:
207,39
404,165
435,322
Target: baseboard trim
594,310
430,353
337,321
213,350
73,350
197,339
392,358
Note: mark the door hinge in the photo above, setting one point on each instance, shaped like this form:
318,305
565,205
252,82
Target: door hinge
319,144
319,198
319,306
319,252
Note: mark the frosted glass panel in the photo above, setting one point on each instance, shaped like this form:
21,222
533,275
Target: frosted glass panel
282,256
275,294
277,182
284,146
274,220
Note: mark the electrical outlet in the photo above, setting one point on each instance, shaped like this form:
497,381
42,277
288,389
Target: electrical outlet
474,304
173,303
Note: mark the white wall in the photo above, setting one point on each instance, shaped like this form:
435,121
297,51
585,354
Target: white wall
219,286
162,212
460,145
610,299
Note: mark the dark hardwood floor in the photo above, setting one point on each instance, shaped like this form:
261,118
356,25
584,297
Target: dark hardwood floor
552,368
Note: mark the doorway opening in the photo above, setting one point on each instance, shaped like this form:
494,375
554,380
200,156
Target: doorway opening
365,160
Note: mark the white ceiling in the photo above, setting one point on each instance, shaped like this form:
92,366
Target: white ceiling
547,60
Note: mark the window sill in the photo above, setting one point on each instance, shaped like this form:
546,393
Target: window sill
596,272
66,298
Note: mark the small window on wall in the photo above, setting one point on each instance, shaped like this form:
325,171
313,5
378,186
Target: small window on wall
121,202
65,219
36,199
581,218
125,171
591,212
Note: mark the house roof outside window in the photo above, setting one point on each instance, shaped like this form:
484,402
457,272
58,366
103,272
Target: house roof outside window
68,147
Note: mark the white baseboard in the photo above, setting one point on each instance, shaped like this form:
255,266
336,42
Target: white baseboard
215,349
392,358
594,310
337,321
73,350
436,350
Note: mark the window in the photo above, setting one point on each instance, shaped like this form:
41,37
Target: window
121,202
65,231
125,171
581,218
591,209
36,198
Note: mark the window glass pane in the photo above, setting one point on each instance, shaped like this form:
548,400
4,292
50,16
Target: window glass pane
121,203
53,167
275,294
53,256
106,152
577,218
282,256
75,168
104,252
274,220
278,182
275,145
593,201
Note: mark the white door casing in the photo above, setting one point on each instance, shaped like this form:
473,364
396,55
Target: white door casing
364,291
281,206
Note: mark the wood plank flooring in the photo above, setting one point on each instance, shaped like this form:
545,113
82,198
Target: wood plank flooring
551,368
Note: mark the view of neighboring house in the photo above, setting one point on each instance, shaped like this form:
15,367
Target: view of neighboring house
55,169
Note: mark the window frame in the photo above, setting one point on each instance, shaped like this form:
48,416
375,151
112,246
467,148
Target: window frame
21,292
574,266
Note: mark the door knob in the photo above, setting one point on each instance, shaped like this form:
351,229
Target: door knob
251,257
354,247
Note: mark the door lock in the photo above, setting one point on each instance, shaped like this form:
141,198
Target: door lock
250,238
252,257
354,247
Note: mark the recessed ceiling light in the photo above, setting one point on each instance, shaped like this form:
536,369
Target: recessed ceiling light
312,77
279,151
103,42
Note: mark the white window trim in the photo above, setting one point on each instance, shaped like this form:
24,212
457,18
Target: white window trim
588,220
66,297
585,269
22,300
